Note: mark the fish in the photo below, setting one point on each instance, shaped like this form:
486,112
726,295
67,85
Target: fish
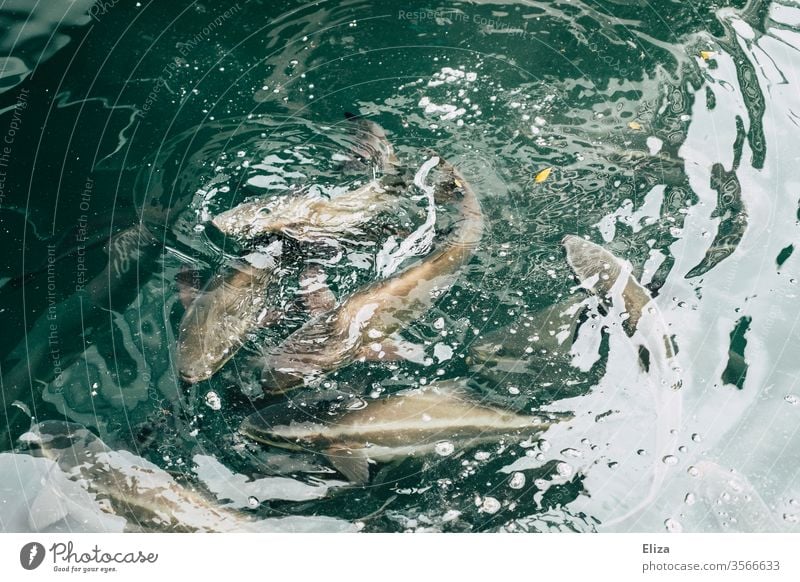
361,325
65,329
372,143
128,486
217,323
539,350
609,278
440,418
601,273
307,216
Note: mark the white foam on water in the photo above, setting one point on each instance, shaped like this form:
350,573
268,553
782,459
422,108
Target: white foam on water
418,242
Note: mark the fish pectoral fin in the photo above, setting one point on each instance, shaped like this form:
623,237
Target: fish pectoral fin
316,294
352,463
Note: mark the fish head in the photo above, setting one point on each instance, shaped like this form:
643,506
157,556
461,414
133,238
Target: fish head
194,370
259,427
68,444
284,425
206,342
245,221
307,419
595,268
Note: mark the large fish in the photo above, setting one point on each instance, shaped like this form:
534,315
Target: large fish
217,322
310,217
440,418
360,325
539,351
65,329
610,278
131,487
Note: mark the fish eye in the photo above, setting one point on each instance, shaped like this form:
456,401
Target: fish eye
263,210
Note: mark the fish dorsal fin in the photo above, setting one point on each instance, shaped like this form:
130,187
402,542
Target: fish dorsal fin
440,394
314,289
352,463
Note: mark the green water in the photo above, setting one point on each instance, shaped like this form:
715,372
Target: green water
671,131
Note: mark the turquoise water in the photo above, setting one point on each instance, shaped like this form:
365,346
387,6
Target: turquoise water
670,128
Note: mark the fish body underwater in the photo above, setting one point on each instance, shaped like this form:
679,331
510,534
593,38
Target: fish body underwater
307,216
600,272
132,256
440,418
217,322
360,325
541,348
148,497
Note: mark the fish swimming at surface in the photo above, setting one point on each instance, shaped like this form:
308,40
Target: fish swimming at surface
440,418
361,325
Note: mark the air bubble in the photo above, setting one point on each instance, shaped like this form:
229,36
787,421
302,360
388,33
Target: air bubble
670,460
673,525
253,502
490,505
213,400
517,481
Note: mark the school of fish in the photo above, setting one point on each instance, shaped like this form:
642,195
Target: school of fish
226,313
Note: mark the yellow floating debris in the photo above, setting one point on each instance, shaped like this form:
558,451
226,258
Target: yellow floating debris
705,55
543,175
635,125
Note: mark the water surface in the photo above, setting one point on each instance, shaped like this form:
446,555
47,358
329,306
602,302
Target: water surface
670,128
